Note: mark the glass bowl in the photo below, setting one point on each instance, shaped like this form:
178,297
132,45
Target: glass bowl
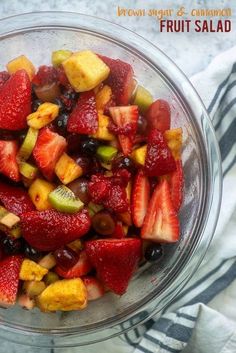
36,35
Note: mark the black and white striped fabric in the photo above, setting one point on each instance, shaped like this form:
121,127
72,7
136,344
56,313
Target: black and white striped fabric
187,323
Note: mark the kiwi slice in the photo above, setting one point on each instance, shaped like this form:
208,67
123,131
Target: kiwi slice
106,153
28,144
64,200
59,56
29,171
143,99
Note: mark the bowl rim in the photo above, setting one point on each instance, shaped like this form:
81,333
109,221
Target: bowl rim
8,28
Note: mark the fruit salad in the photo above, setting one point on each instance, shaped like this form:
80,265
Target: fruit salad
91,180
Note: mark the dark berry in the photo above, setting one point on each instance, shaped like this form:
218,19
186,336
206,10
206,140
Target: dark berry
12,246
89,146
124,163
66,258
59,102
69,99
61,123
35,104
32,253
153,252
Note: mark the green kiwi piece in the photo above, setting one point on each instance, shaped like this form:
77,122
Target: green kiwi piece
143,99
64,200
106,153
59,56
28,144
28,170
50,278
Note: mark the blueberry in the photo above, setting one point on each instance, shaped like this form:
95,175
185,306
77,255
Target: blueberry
123,163
59,102
89,146
35,104
12,246
153,252
61,121
32,253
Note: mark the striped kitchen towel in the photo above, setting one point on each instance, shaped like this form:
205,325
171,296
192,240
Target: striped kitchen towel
188,324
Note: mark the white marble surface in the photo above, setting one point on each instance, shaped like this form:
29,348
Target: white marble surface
190,51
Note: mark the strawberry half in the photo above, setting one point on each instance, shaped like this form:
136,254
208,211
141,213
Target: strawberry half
15,199
161,223
9,279
8,161
81,268
94,287
47,151
140,198
121,79
84,117
115,261
158,115
176,185
15,101
159,160
126,118
49,230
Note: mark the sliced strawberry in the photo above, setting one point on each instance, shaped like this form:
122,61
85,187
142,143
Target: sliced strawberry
9,279
176,185
121,79
47,151
126,118
8,162
15,101
115,261
49,230
4,76
161,223
94,287
15,199
84,117
81,268
159,160
158,115
119,231
140,198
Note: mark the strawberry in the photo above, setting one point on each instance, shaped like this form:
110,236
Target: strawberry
94,287
15,101
47,151
48,230
115,261
121,79
15,199
176,185
159,160
8,162
161,223
126,118
84,117
158,115
4,76
140,198
119,231
9,279
81,268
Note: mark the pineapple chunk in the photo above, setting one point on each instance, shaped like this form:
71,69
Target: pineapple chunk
174,139
67,169
38,192
76,245
44,115
139,155
102,132
65,295
85,70
31,271
19,63
8,219
103,97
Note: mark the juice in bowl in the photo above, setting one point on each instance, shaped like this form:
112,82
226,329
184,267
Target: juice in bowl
105,204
